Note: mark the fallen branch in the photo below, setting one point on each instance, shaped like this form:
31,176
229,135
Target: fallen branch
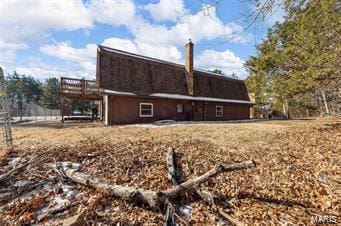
210,199
206,176
171,166
205,195
229,218
124,192
169,219
152,198
36,159
16,170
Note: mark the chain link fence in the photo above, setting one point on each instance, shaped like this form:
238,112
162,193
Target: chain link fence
33,112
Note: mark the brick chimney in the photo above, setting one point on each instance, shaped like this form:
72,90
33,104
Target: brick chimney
189,67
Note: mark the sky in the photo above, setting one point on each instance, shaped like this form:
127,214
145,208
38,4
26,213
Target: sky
54,38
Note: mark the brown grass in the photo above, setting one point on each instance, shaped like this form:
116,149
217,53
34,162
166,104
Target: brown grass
297,172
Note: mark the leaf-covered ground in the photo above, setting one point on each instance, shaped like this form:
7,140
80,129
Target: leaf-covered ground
297,174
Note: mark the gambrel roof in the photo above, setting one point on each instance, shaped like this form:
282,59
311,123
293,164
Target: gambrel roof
121,71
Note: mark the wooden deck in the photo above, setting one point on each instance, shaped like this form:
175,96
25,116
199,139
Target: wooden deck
78,89
72,88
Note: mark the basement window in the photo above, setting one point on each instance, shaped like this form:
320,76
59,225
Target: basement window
179,108
146,110
219,111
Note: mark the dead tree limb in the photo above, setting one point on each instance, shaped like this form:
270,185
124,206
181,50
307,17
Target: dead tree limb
171,166
36,159
152,198
211,200
206,176
124,192
205,195
229,218
169,219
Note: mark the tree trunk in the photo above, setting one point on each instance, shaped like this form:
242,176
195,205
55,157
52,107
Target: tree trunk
287,108
36,111
20,106
284,110
307,112
325,102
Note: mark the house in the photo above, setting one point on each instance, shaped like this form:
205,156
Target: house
140,89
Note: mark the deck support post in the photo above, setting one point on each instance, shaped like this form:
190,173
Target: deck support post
62,107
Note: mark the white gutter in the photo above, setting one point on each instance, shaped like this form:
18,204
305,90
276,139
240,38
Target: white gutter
184,97
181,97
108,91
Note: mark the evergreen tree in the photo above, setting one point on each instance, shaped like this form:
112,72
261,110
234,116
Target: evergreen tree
299,59
22,89
51,94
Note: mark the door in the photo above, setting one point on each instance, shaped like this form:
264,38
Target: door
198,111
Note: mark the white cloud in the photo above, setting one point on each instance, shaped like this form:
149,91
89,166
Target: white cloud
81,58
7,57
225,61
11,45
64,51
166,10
37,68
69,15
113,12
198,27
24,22
121,44
170,53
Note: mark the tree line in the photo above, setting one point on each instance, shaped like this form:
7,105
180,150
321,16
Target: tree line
296,71
18,90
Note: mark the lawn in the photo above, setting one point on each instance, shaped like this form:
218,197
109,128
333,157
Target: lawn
296,178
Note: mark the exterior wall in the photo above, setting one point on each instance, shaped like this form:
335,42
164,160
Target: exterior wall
230,111
125,110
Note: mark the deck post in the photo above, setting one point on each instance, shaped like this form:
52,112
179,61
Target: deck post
62,107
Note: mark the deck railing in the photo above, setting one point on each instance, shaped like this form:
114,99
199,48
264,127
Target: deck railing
78,87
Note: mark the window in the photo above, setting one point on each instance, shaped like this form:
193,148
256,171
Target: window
219,111
179,108
146,110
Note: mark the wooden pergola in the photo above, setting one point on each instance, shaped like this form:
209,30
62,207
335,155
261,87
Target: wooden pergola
78,89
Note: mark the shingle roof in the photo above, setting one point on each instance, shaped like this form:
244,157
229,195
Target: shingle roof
127,72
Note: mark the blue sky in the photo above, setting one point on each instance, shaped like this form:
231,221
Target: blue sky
45,38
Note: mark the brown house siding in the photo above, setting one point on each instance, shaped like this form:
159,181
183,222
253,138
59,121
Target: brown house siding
125,110
230,112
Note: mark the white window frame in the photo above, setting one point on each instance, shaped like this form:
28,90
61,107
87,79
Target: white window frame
152,110
216,111
177,109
